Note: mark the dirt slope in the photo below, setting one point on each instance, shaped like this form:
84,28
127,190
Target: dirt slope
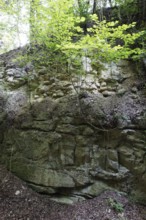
17,201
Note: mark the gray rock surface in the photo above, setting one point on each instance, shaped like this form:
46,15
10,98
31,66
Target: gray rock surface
74,135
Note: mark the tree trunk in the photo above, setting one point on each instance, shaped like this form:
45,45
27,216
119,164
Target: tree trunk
141,4
94,7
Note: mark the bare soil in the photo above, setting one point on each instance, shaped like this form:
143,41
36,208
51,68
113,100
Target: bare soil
18,202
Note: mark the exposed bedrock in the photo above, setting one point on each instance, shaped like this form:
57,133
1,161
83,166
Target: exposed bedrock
75,137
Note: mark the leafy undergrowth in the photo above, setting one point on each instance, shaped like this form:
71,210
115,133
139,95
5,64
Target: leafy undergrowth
17,201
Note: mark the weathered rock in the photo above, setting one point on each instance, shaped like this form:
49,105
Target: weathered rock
68,199
121,91
2,72
16,73
108,93
77,141
95,189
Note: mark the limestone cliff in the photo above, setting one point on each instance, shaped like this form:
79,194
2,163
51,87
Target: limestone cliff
74,135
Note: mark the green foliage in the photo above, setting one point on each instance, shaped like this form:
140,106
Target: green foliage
127,9
131,10
117,206
54,23
101,43
57,38
82,8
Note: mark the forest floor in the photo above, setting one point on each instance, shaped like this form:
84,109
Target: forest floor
18,202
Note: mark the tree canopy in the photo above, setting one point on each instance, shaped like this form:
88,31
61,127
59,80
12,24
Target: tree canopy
68,30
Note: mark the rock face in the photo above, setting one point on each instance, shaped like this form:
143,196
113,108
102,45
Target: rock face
74,135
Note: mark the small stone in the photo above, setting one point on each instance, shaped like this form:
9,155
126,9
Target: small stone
102,89
1,75
121,215
58,94
111,89
43,89
36,96
10,79
121,91
103,84
134,90
69,200
2,63
65,84
97,84
108,93
17,192
46,83
134,96
2,69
